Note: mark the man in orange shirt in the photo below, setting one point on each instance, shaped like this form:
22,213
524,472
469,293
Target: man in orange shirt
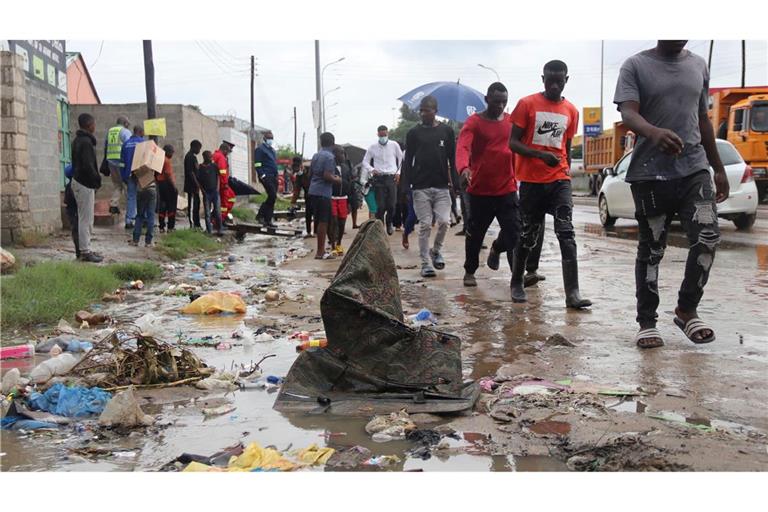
226,194
543,126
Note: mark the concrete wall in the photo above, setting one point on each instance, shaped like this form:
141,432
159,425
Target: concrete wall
183,124
45,183
29,156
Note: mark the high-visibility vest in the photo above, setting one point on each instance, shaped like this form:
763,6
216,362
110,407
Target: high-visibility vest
113,143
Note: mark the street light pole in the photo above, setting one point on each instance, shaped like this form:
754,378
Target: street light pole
322,88
491,69
323,102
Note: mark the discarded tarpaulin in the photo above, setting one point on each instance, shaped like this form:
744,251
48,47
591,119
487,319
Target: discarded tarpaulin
374,363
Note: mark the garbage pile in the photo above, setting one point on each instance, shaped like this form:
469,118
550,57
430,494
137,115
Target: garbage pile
128,357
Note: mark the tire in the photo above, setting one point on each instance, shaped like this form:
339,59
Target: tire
744,221
599,178
605,218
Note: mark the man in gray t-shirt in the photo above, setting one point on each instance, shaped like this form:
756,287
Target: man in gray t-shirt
662,94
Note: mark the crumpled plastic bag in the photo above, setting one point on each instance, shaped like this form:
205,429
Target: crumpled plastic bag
257,458
215,302
124,411
314,454
390,427
74,402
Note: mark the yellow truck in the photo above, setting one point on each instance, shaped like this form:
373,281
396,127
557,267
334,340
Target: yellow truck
740,115
604,151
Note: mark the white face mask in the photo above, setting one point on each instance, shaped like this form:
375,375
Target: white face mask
269,142
383,140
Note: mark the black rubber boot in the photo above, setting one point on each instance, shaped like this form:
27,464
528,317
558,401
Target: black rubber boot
516,283
573,298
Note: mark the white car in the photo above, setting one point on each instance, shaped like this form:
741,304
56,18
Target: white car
615,197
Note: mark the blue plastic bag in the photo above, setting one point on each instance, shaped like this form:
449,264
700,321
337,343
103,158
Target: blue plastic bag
74,402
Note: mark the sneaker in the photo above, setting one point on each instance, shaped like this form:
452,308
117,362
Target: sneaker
340,250
129,225
114,210
134,243
149,244
469,280
437,259
161,230
390,230
91,257
427,270
461,233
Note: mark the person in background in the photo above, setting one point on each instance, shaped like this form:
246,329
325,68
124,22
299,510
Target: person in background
191,187
383,160
126,159
167,191
287,179
70,205
429,170
113,145
486,166
367,190
323,169
355,192
85,180
146,204
544,125
340,201
265,163
663,95
303,178
208,179
227,195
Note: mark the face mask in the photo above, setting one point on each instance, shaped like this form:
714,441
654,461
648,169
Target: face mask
383,140
269,142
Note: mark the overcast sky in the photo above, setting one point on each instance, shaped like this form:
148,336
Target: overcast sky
215,75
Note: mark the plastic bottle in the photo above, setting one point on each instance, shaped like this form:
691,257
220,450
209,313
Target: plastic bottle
423,317
17,351
220,266
59,365
312,344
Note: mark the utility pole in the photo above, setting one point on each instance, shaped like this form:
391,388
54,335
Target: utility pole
295,133
303,137
253,125
149,82
743,63
318,94
709,61
602,72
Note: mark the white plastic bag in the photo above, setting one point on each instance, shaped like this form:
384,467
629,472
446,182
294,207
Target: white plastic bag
59,365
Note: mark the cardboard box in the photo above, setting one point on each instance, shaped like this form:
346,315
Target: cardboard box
148,159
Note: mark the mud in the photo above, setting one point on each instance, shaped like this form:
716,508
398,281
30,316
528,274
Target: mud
695,407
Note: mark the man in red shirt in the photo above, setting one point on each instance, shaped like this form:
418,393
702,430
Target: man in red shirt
226,194
485,162
543,126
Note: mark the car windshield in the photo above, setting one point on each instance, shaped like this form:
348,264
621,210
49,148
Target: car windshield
759,117
728,154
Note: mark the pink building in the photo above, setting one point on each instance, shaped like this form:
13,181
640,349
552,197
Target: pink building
80,88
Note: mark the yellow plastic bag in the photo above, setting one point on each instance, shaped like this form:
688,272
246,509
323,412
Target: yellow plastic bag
215,302
256,457
315,455
199,467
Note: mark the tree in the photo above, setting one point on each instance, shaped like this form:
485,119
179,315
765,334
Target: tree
285,151
410,118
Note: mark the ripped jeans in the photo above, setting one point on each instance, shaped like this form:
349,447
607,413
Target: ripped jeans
537,200
656,202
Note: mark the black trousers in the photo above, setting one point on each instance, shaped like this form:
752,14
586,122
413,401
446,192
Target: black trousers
538,200
656,202
386,198
267,208
534,255
71,207
167,200
193,209
483,209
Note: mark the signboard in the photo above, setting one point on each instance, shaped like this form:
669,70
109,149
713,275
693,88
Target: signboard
592,121
43,60
155,127
316,113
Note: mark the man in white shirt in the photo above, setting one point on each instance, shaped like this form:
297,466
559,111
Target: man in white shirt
382,161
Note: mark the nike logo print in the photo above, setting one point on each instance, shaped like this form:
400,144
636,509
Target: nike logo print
543,131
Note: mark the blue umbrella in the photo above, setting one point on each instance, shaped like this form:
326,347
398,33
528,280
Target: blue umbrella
455,101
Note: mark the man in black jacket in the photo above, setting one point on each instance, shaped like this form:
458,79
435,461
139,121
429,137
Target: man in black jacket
85,181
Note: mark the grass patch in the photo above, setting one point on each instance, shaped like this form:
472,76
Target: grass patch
184,242
281,203
49,290
131,271
244,214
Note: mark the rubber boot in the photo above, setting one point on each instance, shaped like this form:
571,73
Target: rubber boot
516,283
571,284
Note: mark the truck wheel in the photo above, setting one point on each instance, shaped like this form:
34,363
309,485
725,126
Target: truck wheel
598,182
605,218
744,221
